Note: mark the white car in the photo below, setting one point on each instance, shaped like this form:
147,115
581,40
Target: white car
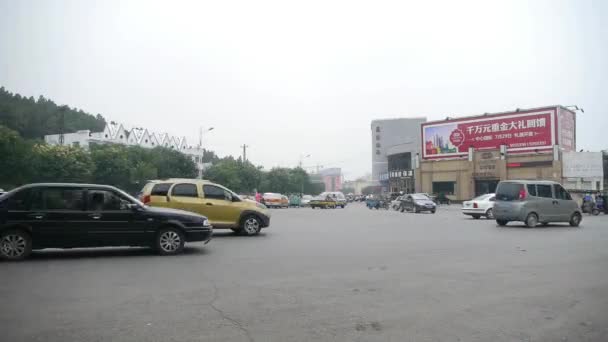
305,201
480,206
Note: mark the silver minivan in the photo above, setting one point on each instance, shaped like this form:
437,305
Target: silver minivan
535,202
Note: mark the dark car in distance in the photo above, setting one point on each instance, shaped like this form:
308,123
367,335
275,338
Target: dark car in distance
58,215
417,203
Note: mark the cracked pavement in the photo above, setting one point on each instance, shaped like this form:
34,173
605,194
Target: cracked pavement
325,275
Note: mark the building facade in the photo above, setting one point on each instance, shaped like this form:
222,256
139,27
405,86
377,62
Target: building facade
397,140
115,133
468,156
332,178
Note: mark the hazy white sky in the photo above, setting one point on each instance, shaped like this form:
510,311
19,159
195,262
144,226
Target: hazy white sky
307,77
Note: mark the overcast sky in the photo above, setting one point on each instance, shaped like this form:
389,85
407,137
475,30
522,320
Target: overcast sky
307,77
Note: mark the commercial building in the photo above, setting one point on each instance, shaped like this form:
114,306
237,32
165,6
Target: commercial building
115,133
357,185
395,143
332,178
468,156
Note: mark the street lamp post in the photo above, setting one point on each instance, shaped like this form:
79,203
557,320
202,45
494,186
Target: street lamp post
302,156
302,187
200,147
200,135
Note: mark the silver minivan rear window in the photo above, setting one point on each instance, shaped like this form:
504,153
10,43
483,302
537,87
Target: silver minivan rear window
508,191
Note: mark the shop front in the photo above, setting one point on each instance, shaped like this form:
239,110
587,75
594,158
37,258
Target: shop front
400,171
487,172
466,157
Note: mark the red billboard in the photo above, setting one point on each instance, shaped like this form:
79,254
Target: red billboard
519,131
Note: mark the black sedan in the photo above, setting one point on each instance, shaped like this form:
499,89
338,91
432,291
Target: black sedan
58,215
417,203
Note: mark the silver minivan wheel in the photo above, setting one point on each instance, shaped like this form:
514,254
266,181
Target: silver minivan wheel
575,220
531,220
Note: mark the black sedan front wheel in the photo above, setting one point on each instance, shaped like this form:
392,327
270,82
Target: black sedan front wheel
170,241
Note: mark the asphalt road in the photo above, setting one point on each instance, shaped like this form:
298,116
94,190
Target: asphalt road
325,275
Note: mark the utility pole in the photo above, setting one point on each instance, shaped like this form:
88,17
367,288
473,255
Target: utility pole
244,152
61,125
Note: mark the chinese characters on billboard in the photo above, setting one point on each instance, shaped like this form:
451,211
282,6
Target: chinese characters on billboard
518,131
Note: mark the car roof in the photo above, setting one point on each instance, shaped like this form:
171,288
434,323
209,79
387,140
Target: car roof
530,181
170,180
67,185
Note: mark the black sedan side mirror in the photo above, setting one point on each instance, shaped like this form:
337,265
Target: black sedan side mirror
133,206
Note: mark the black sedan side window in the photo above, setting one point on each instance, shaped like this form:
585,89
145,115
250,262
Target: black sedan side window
58,199
105,200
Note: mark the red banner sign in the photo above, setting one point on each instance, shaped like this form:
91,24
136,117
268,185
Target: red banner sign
521,131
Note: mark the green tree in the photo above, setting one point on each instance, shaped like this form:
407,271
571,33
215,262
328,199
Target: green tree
33,119
172,164
15,156
112,166
61,164
278,180
239,176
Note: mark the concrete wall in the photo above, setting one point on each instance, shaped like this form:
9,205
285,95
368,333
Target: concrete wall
80,138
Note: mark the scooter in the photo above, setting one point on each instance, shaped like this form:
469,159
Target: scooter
599,206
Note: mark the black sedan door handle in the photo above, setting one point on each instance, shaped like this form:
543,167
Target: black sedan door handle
37,216
95,216
209,203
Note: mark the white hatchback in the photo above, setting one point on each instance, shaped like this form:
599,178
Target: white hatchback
480,206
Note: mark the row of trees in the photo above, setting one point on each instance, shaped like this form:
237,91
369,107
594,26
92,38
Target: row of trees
33,119
244,177
129,167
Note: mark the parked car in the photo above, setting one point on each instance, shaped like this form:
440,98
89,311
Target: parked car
480,206
305,201
224,208
417,203
58,215
396,203
273,200
338,197
323,202
534,202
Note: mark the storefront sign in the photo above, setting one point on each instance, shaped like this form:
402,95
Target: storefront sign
401,174
583,164
519,131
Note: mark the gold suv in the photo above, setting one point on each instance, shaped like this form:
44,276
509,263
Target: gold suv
222,207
